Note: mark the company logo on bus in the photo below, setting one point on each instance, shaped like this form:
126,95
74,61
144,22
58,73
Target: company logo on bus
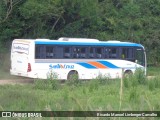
21,48
60,66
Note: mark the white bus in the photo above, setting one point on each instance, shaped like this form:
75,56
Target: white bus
88,58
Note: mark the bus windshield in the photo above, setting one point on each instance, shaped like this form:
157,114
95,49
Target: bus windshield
139,56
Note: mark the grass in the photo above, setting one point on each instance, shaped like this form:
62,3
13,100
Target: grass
100,94
5,74
153,71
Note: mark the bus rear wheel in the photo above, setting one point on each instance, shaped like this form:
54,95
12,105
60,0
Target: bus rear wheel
72,75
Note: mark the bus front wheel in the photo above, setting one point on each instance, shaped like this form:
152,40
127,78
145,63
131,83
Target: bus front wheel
127,73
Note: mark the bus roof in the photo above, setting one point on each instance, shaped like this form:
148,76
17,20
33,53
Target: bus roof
77,41
89,43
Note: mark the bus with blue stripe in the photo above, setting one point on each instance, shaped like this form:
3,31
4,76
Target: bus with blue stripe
65,57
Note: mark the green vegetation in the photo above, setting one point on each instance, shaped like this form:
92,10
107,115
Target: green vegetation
5,66
138,94
153,71
125,20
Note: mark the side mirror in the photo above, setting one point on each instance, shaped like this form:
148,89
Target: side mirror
136,61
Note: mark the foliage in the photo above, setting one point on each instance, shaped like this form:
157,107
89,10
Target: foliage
125,20
51,83
138,78
154,83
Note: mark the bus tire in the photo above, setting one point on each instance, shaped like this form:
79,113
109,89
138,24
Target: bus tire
127,73
72,75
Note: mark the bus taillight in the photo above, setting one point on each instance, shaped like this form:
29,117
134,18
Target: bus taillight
29,67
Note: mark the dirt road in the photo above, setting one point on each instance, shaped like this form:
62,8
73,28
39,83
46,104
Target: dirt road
24,81
19,81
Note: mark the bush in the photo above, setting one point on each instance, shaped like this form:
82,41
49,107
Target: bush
138,78
52,77
103,79
93,85
50,83
154,83
134,95
42,84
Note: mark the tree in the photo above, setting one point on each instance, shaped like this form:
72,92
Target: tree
7,8
40,17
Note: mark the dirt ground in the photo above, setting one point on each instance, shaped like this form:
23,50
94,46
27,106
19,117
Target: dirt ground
19,81
24,81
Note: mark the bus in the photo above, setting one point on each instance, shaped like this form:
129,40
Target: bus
65,57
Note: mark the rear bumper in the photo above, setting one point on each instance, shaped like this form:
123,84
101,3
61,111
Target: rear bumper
19,73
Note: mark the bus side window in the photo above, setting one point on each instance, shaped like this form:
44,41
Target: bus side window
50,52
76,52
66,52
105,52
99,52
91,52
127,53
83,52
39,52
113,53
